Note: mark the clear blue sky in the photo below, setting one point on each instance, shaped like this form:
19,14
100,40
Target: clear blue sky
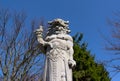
86,16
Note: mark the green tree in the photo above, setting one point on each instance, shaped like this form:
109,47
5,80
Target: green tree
86,68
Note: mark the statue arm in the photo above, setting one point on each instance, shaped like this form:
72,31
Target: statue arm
71,51
71,61
40,39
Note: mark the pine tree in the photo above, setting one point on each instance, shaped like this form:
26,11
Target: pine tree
86,68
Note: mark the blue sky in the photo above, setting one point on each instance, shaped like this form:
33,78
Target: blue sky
86,16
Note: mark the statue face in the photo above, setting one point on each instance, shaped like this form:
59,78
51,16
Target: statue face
58,26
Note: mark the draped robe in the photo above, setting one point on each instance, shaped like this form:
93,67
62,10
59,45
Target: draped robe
57,56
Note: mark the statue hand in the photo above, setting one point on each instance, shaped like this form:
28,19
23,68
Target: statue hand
71,63
39,31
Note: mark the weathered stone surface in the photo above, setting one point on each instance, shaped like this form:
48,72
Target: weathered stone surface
58,47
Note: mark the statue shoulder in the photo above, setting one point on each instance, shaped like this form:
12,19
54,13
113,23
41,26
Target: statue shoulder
48,38
66,37
59,36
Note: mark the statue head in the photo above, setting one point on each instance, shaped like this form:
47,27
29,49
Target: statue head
58,26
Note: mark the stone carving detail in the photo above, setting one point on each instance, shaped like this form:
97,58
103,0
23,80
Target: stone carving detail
58,47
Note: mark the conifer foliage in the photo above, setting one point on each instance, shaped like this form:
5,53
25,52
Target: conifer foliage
86,68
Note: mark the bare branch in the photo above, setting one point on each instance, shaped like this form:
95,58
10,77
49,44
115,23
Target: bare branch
19,49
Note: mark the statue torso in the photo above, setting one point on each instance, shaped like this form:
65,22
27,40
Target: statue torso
60,45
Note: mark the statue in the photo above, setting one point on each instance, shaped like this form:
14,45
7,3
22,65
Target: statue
58,47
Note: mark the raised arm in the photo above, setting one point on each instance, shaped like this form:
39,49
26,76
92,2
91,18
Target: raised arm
40,39
39,33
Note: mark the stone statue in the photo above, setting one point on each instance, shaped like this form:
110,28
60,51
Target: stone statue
58,47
